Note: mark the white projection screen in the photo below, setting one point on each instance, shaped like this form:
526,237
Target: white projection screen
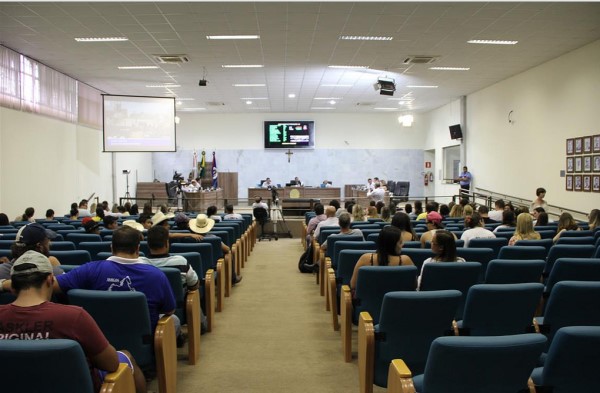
143,124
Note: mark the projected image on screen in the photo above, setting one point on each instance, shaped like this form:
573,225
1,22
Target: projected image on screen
289,134
139,123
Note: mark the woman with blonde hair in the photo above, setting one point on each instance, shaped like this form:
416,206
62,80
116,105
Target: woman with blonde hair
385,214
372,212
457,211
358,213
524,230
565,223
468,210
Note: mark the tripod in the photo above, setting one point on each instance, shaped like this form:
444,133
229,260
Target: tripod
127,194
276,217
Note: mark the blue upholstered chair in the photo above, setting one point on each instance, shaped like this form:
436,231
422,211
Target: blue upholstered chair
495,244
583,233
522,252
124,319
576,240
451,275
6,244
62,246
83,237
72,257
481,255
573,269
409,322
372,284
572,362
567,251
187,310
6,253
499,309
60,367
418,255
94,248
472,365
571,303
509,271
546,243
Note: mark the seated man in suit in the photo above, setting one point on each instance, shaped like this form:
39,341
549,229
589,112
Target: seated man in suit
32,316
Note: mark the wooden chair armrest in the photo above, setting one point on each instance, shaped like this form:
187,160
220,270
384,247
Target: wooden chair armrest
366,352
331,295
400,378
346,323
209,298
120,381
165,352
327,262
455,329
227,278
221,284
536,326
531,385
192,309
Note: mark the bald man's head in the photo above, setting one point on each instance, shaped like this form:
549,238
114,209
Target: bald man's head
330,211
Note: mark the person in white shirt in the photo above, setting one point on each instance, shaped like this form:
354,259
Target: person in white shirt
443,246
370,184
267,183
258,202
476,230
496,214
377,194
230,215
331,220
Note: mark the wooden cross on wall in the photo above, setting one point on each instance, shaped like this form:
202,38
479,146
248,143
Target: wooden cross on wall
289,154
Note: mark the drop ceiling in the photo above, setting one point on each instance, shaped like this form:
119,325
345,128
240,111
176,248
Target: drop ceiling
298,42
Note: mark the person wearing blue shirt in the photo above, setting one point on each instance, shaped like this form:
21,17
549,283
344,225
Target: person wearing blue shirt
464,180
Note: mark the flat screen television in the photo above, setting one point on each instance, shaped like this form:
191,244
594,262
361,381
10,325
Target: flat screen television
289,134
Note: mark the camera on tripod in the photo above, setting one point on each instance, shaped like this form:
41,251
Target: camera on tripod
274,195
177,176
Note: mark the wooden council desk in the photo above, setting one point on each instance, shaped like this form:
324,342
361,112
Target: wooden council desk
199,201
325,194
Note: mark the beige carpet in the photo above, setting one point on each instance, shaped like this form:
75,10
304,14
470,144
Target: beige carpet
273,335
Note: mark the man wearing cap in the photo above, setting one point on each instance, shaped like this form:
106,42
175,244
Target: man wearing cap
31,237
434,223
162,219
33,317
123,271
201,225
90,225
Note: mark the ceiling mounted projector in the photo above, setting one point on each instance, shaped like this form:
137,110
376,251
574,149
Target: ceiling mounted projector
387,86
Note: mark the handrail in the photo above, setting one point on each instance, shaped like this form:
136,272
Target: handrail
560,209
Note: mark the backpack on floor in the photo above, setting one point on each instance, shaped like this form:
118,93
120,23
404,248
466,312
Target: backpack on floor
306,257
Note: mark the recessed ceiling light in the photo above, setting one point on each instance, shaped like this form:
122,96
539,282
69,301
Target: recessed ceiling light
248,102
242,66
335,85
349,67
421,87
137,67
101,39
365,38
492,42
327,98
166,85
322,108
450,68
232,37
332,102
249,85
386,109
291,95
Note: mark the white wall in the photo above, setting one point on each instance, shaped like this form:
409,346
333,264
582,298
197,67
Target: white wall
550,103
47,163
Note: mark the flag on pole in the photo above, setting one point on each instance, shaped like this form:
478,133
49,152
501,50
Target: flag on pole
215,173
202,165
195,164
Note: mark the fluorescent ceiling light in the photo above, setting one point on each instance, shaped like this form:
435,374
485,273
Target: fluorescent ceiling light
332,102
249,85
327,98
421,87
322,108
137,67
190,109
450,68
349,67
101,39
336,85
492,42
365,38
291,95
242,66
232,37
248,102
166,86
386,109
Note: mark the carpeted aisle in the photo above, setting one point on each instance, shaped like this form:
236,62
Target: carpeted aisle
273,335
